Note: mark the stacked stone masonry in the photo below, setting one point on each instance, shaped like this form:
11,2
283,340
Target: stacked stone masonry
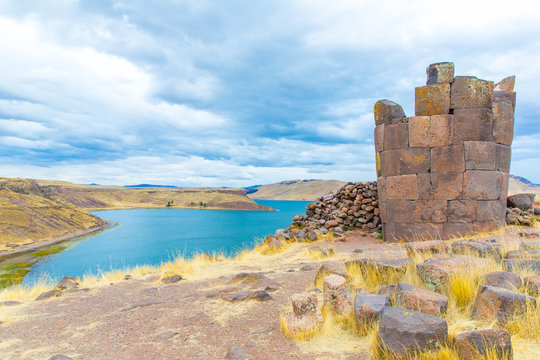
444,172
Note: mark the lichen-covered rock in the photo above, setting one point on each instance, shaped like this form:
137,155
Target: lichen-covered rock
336,295
471,92
403,332
502,279
381,265
480,249
494,303
385,111
522,264
420,299
523,254
475,344
436,271
533,285
306,314
440,73
368,308
433,246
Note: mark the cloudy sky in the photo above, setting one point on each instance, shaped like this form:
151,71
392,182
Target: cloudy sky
239,92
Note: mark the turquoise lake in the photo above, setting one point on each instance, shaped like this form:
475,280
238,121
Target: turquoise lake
152,236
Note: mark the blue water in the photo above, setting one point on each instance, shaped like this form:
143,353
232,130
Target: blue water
151,236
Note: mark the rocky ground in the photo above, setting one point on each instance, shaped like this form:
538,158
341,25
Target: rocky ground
221,309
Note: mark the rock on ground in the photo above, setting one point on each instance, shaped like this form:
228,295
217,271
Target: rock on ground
493,303
521,201
368,308
420,299
502,279
474,344
403,331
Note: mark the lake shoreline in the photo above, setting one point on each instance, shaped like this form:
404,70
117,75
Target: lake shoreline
42,244
177,207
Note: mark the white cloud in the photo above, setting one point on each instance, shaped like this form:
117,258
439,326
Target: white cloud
227,93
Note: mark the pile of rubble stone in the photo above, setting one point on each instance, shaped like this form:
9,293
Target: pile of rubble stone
520,210
355,205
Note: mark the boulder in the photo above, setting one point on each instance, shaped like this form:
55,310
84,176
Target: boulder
306,314
336,295
60,357
521,201
502,279
475,344
436,271
494,303
171,279
433,246
522,264
480,249
381,265
368,308
420,299
67,282
533,285
127,277
403,332
49,294
523,254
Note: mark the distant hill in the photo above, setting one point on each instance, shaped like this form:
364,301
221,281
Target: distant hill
29,214
99,197
147,186
518,184
294,189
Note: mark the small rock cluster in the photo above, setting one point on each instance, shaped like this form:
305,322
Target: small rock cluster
411,318
355,205
67,284
519,210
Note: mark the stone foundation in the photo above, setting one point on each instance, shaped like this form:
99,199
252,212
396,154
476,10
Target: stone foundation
444,172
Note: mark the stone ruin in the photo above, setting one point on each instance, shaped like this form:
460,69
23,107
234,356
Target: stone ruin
444,172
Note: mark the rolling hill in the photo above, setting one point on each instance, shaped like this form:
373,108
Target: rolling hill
295,189
29,215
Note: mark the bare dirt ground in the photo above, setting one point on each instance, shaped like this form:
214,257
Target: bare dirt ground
143,318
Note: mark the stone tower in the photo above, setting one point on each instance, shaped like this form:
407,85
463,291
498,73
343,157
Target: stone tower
444,172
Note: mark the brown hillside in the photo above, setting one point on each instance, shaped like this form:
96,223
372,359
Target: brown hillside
297,190
28,215
117,197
